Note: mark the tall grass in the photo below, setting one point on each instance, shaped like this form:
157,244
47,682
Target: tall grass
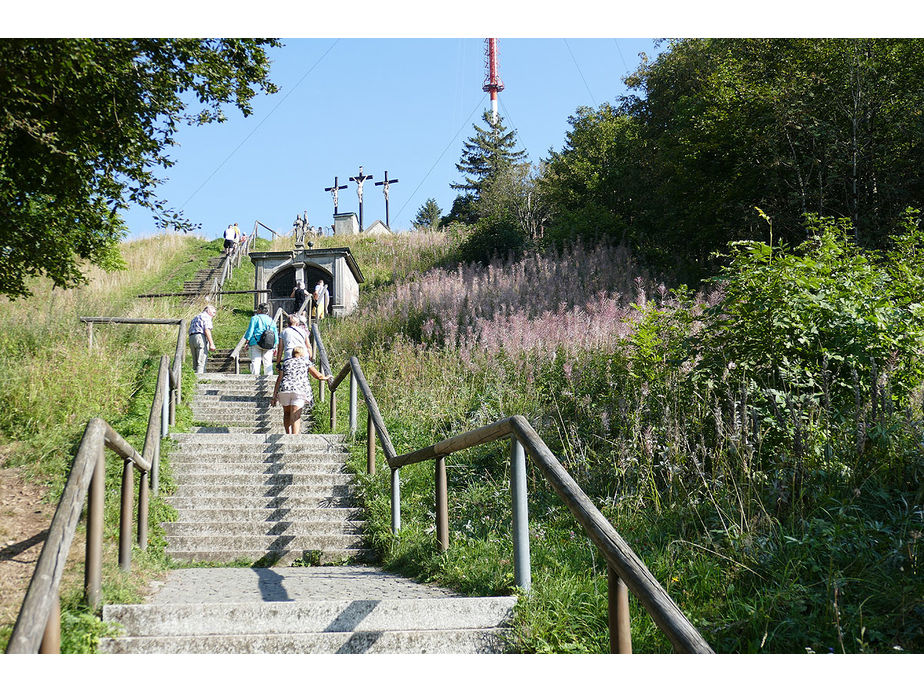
53,385
777,524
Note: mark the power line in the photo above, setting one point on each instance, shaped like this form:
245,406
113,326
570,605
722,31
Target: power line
454,137
619,50
593,100
257,126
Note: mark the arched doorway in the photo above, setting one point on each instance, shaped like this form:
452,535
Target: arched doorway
282,283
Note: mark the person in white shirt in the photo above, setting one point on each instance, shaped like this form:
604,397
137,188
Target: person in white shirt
230,237
322,296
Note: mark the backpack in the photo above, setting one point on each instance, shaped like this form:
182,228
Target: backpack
267,339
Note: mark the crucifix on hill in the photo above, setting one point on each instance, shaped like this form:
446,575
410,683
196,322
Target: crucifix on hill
386,183
359,180
334,191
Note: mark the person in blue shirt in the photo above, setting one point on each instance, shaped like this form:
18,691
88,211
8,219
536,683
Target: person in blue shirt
259,323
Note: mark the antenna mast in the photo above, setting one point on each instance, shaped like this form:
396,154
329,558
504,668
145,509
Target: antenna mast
492,82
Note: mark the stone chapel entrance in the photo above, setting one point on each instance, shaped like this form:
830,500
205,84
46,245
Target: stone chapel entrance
282,283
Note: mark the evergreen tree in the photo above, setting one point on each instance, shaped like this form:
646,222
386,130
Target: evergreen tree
485,154
428,215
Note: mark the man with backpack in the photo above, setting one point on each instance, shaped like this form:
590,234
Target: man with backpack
262,336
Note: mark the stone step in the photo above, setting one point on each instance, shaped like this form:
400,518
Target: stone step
254,491
213,463
306,528
293,501
263,556
466,641
245,544
283,514
323,615
300,442
257,480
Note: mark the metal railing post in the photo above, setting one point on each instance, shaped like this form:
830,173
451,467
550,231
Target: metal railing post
125,516
352,403
165,412
143,509
442,504
51,639
370,444
618,613
333,408
395,500
521,565
93,566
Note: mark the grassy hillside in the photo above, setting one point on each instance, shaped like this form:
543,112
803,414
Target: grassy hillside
771,482
54,385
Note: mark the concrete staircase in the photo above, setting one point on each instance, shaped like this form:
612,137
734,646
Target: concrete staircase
331,610
201,283
248,492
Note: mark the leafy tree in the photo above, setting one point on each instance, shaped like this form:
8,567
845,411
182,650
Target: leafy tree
516,190
83,125
485,154
463,211
591,183
428,215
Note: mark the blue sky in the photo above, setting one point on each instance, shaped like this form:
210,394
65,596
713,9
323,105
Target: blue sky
401,105
394,98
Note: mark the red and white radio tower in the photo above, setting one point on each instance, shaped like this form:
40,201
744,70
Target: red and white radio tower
492,82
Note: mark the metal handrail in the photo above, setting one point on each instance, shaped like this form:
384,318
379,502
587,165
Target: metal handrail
625,571
38,626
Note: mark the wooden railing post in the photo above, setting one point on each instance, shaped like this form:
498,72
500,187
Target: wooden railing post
93,566
618,613
442,504
370,444
352,403
125,516
521,565
51,639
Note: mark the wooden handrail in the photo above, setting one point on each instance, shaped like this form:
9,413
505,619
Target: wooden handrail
38,624
624,567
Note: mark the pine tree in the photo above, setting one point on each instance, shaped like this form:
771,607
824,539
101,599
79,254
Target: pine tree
428,215
485,154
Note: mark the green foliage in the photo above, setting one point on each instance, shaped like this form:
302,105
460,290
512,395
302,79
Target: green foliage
817,323
84,123
463,211
775,526
428,216
796,126
485,154
495,236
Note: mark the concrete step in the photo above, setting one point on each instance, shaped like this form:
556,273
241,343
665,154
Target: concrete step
254,492
278,442
263,542
348,609
468,641
278,556
306,528
282,514
292,502
328,615
214,463
259,481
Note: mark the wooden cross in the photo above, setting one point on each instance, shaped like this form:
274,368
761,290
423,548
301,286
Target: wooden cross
359,180
333,190
386,183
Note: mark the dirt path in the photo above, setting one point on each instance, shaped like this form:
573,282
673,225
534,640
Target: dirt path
24,521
